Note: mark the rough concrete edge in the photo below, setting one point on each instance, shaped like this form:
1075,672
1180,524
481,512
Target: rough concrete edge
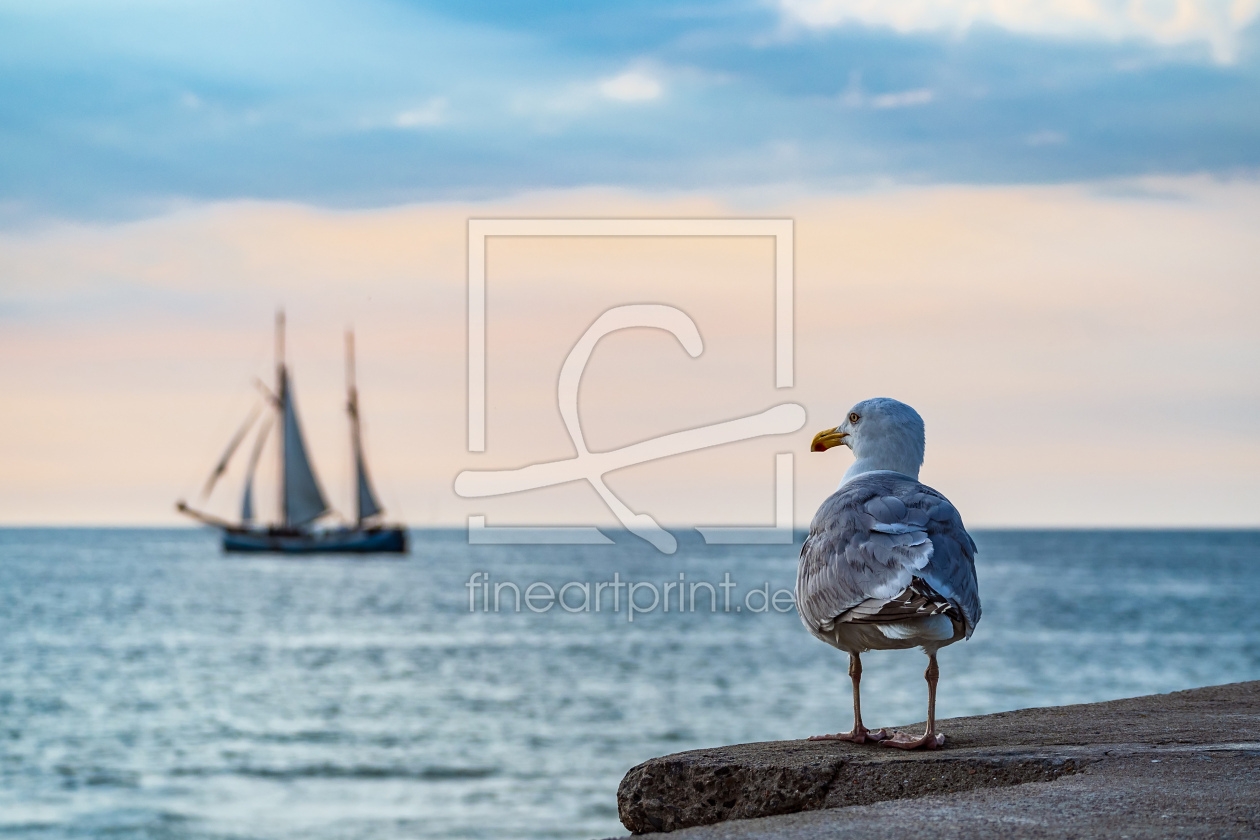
648,800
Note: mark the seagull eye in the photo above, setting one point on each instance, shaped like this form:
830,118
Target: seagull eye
853,418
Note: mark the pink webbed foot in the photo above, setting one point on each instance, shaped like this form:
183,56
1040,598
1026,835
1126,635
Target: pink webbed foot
930,741
857,736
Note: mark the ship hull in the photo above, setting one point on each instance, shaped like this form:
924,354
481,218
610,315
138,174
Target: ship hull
386,540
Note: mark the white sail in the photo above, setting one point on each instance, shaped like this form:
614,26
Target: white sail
367,501
247,502
221,467
303,499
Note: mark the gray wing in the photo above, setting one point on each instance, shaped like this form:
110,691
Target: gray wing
875,537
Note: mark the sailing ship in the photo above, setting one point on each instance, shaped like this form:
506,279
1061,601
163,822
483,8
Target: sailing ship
301,501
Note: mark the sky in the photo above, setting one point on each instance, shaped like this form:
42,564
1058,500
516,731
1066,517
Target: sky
1034,221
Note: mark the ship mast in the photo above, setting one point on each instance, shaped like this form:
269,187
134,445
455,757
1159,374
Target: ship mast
350,389
352,408
282,396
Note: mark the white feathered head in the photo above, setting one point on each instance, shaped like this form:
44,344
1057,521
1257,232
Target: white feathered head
883,433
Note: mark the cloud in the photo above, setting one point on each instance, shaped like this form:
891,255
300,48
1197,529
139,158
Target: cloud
430,114
1216,23
631,86
1046,138
121,109
552,108
903,99
855,97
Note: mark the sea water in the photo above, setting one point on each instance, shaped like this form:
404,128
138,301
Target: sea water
151,687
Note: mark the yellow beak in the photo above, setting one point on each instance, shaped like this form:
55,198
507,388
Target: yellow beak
826,439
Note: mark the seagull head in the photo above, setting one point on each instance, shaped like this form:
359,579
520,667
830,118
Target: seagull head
883,433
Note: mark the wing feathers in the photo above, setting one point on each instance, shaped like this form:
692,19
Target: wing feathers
918,600
883,548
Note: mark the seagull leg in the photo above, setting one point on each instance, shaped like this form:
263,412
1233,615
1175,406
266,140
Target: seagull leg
860,734
931,739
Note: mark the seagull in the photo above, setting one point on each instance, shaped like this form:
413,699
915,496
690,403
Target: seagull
887,564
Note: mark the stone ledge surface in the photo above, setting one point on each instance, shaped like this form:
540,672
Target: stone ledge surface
749,781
